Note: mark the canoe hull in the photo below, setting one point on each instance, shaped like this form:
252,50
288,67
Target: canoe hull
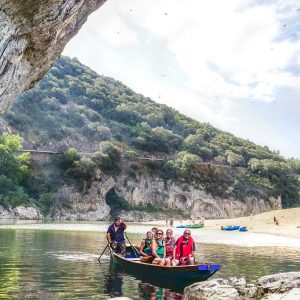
176,278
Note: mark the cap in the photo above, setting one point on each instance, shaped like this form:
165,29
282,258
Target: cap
117,218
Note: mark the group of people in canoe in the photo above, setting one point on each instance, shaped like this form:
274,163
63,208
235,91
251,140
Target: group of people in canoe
155,248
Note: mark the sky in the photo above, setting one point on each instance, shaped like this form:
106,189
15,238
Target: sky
234,64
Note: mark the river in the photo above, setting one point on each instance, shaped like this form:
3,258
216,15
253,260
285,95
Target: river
62,264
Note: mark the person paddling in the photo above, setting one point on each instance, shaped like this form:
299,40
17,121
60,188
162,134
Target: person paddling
184,252
158,249
115,236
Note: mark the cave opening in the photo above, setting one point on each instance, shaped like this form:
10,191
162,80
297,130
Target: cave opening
116,202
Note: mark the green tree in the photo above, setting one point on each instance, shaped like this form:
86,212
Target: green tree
234,159
14,170
182,164
68,158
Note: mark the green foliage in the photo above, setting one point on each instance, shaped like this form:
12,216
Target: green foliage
82,169
235,159
182,164
14,170
108,160
11,193
68,158
44,202
73,101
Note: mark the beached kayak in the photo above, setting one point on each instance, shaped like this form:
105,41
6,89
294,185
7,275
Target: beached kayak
190,226
230,228
194,226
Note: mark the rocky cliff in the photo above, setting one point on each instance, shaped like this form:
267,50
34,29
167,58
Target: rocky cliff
33,34
147,190
147,196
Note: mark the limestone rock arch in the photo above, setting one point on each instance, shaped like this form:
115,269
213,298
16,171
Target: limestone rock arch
33,33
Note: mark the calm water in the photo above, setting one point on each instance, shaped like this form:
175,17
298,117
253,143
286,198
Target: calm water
44,264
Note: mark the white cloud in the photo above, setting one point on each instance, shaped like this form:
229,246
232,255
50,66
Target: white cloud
205,58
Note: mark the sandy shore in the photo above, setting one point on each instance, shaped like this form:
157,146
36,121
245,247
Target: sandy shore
262,231
289,223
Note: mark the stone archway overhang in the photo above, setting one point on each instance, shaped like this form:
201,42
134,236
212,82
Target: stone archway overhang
33,34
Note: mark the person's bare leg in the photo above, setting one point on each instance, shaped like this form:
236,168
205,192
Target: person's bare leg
191,260
175,262
158,261
168,262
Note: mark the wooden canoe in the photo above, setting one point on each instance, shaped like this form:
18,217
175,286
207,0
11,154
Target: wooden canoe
179,276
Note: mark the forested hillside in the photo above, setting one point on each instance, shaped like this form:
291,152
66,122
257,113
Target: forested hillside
72,106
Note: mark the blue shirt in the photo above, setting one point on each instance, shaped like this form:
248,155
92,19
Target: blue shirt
117,236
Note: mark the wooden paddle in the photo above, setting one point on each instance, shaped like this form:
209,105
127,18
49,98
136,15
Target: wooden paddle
103,252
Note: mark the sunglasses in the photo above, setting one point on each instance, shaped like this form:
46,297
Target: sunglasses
159,233
186,233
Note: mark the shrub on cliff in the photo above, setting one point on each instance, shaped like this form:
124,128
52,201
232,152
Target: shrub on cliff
14,170
68,158
108,160
182,164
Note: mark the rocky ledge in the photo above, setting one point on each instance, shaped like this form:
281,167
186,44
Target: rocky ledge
283,286
20,212
32,36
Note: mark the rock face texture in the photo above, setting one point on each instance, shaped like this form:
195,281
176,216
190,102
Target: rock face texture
191,199
20,212
88,207
33,34
283,286
147,190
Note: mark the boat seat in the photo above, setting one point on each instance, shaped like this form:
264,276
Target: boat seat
133,258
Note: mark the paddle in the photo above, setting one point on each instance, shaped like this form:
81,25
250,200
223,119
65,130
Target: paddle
102,253
136,253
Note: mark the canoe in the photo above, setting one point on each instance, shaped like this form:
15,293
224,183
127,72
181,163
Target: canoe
230,228
195,226
174,277
243,229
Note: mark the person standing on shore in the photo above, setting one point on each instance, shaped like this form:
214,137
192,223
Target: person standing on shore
115,236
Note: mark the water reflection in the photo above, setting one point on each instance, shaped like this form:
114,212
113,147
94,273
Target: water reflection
148,291
63,265
113,285
114,281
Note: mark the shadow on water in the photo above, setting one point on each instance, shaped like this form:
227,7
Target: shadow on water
148,287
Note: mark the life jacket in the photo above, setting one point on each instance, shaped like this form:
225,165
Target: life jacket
147,247
184,248
170,245
160,249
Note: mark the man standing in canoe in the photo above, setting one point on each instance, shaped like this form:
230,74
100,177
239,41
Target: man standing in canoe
115,236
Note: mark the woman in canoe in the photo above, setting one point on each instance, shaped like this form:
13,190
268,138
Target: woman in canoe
184,252
170,245
158,248
145,248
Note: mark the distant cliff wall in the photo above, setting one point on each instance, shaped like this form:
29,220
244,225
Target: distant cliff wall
166,196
